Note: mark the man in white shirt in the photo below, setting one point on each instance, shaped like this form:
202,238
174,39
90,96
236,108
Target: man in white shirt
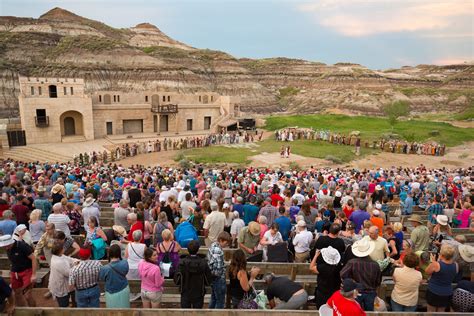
59,220
302,242
237,225
213,225
298,196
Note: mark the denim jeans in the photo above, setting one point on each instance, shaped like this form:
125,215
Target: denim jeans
219,288
401,308
89,297
366,301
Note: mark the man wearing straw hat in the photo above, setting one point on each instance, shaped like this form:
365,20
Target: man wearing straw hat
420,235
364,270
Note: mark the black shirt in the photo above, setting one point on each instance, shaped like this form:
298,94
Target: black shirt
283,288
326,241
135,196
18,255
329,279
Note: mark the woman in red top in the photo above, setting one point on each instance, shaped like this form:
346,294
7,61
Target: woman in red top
348,208
276,197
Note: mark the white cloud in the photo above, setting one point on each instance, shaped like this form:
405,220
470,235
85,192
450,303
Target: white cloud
356,18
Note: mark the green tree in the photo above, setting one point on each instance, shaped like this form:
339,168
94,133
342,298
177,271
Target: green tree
395,110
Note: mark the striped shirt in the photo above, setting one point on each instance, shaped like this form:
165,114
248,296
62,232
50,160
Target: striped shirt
85,274
60,222
434,209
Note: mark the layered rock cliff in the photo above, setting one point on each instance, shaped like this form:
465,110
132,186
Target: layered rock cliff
62,44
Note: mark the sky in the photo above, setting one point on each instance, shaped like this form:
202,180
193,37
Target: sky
379,34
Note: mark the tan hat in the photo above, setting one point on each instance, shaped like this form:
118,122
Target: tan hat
467,253
254,228
415,218
119,230
301,224
363,247
56,188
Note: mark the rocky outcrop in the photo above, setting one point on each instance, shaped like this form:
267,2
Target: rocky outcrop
63,44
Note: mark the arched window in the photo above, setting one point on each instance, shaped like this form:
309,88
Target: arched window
65,90
72,91
169,98
146,98
39,91
32,90
118,98
115,98
100,99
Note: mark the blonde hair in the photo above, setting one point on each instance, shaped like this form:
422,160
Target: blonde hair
35,215
447,252
166,234
397,227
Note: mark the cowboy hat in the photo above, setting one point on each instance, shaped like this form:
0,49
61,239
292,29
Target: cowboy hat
56,188
466,252
88,202
254,228
442,220
378,188
378,206
6,240
119,230
331,255
105,185
415,218
363,247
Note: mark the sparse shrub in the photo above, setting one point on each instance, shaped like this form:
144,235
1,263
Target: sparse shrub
333,159
294,166
184,163
434,132
395,110
463,156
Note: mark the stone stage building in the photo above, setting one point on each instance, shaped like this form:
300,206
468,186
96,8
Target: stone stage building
59,110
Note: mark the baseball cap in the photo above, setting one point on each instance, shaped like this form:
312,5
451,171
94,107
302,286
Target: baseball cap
350,285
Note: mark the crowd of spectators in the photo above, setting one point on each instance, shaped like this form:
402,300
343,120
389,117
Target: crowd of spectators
337,221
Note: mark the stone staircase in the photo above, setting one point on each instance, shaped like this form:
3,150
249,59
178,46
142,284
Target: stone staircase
31,154
73,139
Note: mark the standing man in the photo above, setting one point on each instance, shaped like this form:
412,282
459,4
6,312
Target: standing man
302,242
358,217
23,269
215,258
381,245
120,215
213,225
364,270
84,277
420,235
269,211
192,277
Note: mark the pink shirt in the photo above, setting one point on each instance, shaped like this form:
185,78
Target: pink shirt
464,218
150,275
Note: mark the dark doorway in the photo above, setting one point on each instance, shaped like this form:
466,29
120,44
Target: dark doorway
163,123
16,138
53,92
109,128
155,124
189,124
207,122
69,126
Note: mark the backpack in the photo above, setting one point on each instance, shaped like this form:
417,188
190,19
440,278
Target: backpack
277,252
159,228
168,260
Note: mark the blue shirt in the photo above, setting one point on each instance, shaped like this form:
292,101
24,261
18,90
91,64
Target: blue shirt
250,213
239,208
119,180
358,217
434,209
284,226
7,226
408,206
45,206
115,278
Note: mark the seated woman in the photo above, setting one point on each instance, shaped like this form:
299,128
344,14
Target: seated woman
271,237
93,233
240,281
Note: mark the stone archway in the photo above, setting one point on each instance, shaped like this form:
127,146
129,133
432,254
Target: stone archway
72,123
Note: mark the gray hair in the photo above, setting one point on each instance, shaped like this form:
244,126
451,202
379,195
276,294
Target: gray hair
57,207
137,235
362,204
123,203
8,214
132,216
262,219
268,277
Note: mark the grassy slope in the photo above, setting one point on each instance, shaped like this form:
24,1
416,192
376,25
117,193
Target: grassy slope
373,127
370,127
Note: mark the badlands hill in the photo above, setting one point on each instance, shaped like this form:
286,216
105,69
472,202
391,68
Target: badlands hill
62,44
